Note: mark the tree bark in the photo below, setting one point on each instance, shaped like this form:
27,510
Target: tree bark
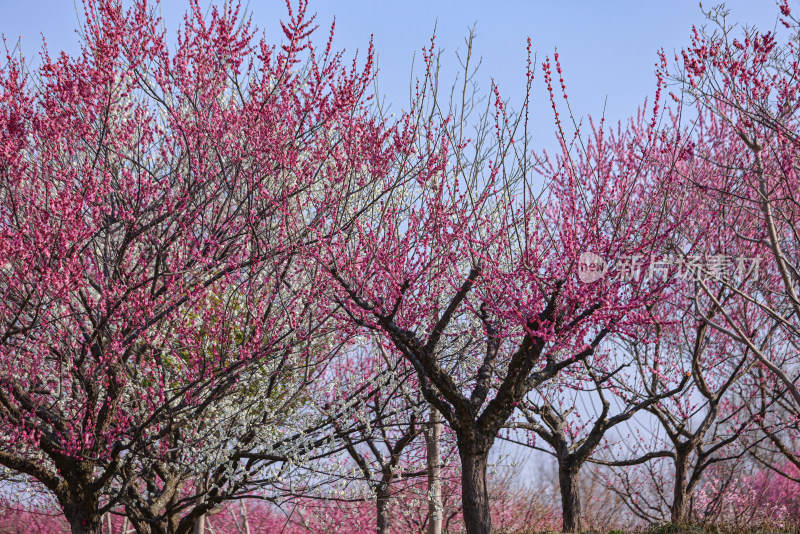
680,499
82,516
474,490
433,437
569,483
200,525
245,521
382,506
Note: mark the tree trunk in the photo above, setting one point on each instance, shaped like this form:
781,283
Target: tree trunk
200,525
474,490
680,500
382,508
139,525
78,500
245,522
433,437
82,516
569,483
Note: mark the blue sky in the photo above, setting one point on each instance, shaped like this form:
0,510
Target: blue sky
608,49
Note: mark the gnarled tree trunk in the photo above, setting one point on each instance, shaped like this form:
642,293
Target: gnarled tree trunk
680,497
78,498
81,514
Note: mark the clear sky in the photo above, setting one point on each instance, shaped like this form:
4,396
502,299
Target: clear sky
608,48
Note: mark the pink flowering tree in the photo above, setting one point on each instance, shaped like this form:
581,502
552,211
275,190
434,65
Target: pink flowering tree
777,418
696,430
604,379
744,83
743,495
473,275
152,197
573,435
712,421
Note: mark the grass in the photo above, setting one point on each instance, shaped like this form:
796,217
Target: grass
670,528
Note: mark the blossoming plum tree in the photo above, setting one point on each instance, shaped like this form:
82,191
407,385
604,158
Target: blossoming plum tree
744,83
473,276
151,201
